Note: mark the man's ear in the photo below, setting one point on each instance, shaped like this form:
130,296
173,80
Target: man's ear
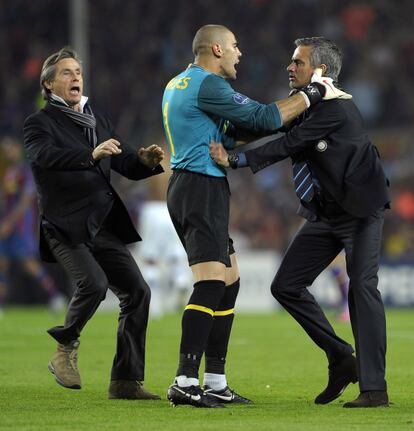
321,70
48,85
216,48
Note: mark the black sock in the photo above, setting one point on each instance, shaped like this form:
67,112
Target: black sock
196,324
217,344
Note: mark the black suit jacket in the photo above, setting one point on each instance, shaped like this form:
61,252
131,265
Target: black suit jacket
74,193
346,163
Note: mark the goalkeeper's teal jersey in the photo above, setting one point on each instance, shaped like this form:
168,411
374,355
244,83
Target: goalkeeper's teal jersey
199,107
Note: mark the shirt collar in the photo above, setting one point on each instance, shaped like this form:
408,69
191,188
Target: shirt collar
82,103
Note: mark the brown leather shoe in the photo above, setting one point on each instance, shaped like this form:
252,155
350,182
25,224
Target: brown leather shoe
64,365
369,399
129,390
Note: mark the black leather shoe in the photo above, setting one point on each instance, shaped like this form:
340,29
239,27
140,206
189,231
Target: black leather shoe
369,399
340,376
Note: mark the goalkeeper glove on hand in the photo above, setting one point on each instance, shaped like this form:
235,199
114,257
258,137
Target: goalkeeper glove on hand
331,92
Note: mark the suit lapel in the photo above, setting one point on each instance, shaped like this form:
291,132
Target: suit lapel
70,128
66,124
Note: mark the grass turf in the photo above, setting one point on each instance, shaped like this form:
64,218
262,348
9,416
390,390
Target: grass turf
271,360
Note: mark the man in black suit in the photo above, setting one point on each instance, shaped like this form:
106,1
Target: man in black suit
343,191
83,223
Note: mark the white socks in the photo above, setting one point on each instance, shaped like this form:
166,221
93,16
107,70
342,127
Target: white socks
185,381
215,381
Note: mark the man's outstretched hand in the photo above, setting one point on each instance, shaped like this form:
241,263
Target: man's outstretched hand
151,156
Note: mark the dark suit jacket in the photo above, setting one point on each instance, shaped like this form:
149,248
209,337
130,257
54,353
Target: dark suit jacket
74,193
346,164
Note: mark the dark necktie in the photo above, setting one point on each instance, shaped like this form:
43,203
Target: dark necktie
304,186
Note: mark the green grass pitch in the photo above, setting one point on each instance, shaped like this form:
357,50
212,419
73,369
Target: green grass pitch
271,360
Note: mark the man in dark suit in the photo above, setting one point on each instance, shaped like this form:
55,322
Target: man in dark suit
343,191
83,223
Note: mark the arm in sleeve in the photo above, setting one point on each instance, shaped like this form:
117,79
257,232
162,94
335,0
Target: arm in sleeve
237,136
323,119
130,166
216,96
42,150
128,163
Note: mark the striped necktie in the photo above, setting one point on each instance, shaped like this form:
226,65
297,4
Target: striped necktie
304,186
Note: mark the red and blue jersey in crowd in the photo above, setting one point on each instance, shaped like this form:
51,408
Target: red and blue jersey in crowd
17,183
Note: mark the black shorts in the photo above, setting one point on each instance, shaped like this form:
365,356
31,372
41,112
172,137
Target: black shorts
199,209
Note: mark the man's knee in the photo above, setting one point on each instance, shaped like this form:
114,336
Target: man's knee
280,287
93,284
229,297
207,293
142,293
275,288
139,295
364,284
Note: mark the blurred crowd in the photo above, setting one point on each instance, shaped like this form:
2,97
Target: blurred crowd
137,46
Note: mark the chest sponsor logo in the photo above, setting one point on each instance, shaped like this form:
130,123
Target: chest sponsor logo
240,99
321,146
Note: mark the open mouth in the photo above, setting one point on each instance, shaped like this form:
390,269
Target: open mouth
75,90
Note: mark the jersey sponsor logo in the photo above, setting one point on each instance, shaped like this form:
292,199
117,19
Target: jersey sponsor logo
240,99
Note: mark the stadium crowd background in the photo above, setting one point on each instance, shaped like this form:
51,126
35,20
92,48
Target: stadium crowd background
137,46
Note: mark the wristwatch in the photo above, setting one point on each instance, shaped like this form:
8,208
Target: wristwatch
233,160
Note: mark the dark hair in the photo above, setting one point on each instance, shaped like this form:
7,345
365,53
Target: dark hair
49,67
323,51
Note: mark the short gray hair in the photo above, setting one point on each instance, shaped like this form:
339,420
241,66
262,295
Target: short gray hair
49,67
323,51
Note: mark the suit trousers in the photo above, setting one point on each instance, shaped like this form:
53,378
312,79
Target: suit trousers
313,248
93,267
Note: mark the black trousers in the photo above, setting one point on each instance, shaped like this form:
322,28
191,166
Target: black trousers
106,262
313,248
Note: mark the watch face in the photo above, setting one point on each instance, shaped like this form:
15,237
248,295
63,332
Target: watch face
233,160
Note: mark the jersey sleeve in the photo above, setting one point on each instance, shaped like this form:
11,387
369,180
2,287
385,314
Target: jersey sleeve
217,97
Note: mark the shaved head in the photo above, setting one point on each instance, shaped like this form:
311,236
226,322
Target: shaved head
208,35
